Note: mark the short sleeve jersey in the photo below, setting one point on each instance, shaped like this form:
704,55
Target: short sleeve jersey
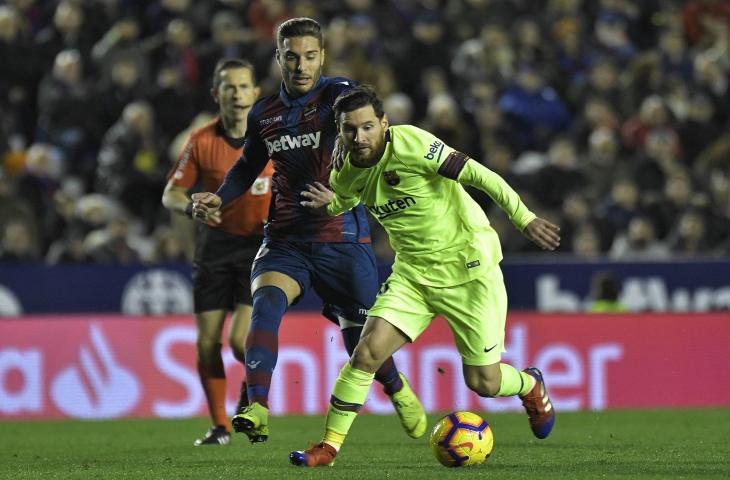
298,134
207,156
440,235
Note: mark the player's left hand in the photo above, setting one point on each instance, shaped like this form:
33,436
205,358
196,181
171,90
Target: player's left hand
543,233
317,196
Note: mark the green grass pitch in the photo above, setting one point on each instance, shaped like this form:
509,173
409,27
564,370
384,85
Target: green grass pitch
664,444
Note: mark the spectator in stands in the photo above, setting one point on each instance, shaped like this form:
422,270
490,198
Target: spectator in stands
605,290
399,107
639,241
14,208
706,21
575,212
65,112
611,32
445,121
38,183
656,160
586,241
646,85
229,39
175,48
69,249
428,34
533,110
674,56
17,244
601,162
158,14
111,244
616,211
560,176
701,126
167,246
689,236
21,72
718,218
131,165
652,116
123,85
67,32
174,101
711,77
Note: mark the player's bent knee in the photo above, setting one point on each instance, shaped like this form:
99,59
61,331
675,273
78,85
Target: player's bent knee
366,358
208,347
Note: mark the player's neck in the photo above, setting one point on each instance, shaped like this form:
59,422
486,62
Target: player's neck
234,127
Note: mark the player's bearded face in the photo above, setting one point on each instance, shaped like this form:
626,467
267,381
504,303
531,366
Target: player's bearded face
300,59
363,135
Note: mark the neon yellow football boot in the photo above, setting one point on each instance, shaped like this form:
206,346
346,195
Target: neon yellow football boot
253,420
409,409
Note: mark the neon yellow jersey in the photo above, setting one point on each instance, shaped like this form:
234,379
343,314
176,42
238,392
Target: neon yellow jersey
441,236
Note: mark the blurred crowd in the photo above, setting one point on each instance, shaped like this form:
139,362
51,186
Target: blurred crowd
610,117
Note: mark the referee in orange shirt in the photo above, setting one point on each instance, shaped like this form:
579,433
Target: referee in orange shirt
227,243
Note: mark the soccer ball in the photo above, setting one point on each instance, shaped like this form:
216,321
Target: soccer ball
462,439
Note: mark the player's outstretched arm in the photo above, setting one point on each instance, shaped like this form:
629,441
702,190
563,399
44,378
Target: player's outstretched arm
543,233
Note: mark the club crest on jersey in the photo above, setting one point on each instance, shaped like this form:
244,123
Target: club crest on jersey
309,111
260,186
391,178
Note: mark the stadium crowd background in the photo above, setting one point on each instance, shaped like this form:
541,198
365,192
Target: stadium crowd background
610,117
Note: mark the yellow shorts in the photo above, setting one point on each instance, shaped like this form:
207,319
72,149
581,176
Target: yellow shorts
475,311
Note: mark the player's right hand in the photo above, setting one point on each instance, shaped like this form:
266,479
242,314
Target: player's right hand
543,233
205,207
317,196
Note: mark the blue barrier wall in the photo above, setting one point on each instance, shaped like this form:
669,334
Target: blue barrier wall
531,285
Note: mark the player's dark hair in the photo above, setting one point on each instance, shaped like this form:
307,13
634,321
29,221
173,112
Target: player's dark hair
229,63
299,27
358,97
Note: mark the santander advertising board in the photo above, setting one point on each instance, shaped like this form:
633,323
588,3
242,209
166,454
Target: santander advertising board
113,366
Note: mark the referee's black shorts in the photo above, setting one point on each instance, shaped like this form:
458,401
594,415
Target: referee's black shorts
222,269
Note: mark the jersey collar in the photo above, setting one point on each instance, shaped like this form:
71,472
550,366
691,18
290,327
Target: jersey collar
288,101
233,142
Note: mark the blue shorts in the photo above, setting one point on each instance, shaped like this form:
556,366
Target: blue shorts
344,275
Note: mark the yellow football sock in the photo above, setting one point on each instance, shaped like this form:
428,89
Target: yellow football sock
514,382
348,395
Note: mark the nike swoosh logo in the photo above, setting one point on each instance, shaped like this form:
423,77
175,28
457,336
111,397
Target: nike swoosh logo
339,404
253,364
487,350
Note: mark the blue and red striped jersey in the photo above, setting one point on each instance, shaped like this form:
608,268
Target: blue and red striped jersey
298,135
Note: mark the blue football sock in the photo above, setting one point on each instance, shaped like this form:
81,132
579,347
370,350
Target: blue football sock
262,342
